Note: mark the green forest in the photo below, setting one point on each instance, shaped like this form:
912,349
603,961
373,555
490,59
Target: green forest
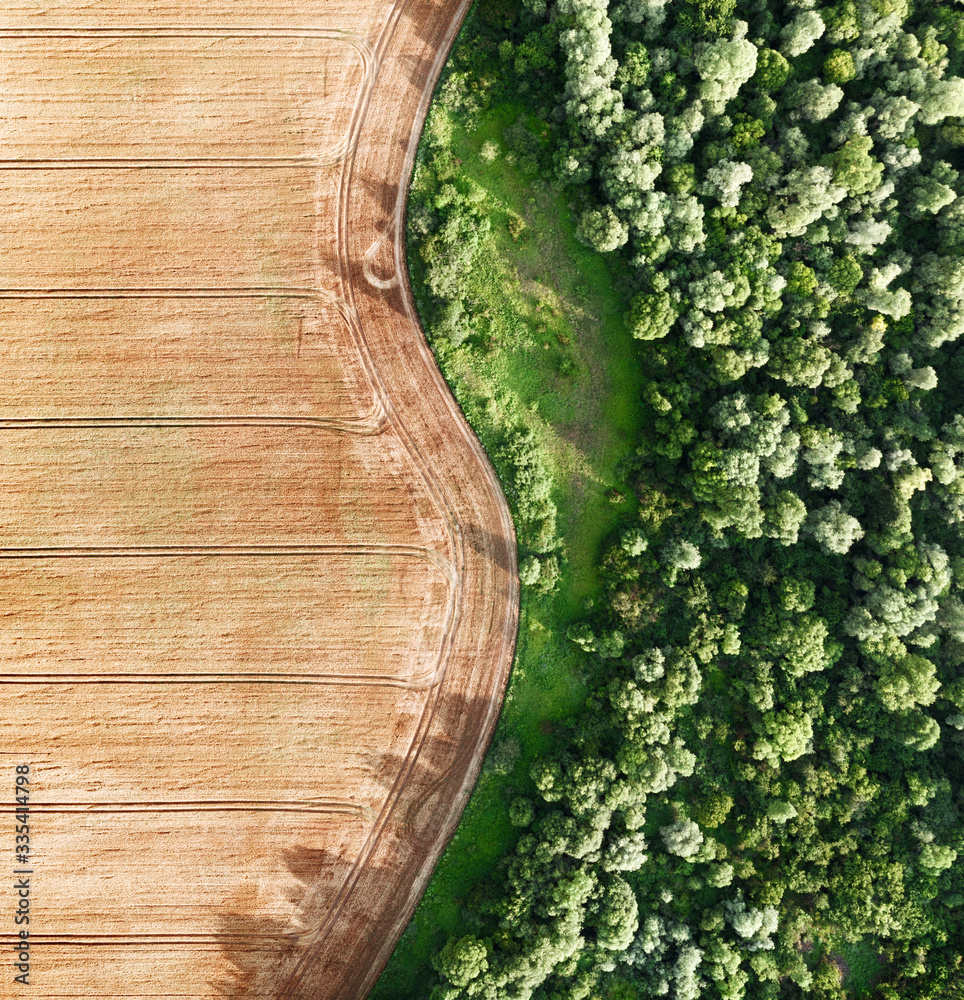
725,238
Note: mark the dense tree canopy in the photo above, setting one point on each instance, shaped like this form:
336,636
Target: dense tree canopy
770,764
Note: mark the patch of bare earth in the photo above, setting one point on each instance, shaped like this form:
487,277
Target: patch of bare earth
257,582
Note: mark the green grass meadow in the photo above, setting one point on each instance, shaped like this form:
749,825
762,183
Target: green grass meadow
550,349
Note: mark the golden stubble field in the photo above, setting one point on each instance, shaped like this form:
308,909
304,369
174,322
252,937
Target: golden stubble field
257,581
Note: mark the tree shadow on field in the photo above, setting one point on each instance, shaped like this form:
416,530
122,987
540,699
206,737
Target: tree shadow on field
373,244
430,20
496,549
383,191
378,898
416,67
445,757
372,301
259,947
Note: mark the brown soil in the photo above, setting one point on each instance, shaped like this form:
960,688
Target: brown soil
258,589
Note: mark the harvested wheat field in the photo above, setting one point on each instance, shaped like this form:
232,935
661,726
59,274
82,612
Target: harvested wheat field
257,581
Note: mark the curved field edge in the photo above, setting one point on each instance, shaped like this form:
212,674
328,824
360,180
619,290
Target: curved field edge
458,716
553,357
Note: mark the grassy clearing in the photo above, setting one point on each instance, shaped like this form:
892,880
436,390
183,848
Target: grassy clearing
549,350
